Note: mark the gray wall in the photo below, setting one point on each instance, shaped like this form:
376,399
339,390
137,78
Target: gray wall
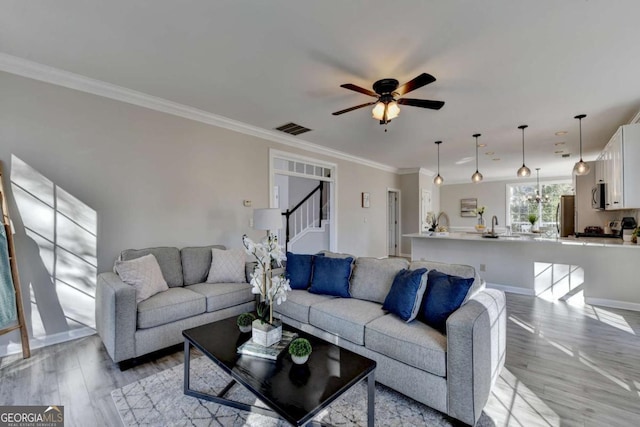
123,176
489,194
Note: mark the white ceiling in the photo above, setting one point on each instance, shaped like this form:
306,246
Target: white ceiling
498,64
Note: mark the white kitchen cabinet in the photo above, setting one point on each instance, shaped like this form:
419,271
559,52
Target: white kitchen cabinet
621,168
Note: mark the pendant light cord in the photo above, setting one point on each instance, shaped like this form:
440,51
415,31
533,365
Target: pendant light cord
476,154
523,146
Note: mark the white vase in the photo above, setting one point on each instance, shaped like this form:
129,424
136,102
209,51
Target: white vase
245,329
266,334
299,360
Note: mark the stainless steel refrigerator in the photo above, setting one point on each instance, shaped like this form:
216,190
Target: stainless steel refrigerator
565,215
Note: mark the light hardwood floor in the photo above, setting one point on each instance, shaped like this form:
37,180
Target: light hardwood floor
566,366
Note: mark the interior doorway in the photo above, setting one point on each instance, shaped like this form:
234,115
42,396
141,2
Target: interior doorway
393,222
304,189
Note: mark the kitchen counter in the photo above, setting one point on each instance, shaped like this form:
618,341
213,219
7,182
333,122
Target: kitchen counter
530,238
600,269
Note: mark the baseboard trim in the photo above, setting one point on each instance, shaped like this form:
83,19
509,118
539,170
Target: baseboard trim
34,343
633,306
512,289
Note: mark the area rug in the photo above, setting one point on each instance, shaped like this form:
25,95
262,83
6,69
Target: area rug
158,400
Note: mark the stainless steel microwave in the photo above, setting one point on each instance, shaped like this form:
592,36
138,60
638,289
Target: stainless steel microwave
598,196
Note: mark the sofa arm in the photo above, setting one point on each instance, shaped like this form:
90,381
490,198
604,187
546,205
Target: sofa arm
476,344
116,312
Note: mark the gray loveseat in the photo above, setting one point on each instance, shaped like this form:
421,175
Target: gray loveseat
452,373
129,330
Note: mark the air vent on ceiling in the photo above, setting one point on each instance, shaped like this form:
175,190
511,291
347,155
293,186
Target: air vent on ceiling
293,129
565,155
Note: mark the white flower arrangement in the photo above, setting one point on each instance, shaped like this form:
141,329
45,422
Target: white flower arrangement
271,289
480,210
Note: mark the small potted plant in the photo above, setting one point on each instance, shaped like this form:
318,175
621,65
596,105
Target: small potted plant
244,322
532,219
300,349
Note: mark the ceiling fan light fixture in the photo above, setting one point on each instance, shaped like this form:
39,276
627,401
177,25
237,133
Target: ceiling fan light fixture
378,111
581,168
477,176
392,110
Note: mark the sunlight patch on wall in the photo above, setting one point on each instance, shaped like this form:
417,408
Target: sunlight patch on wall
56,242
557,281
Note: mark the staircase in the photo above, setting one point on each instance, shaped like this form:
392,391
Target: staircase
307,223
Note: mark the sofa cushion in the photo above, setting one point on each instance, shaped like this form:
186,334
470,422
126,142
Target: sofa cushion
169,306
443,296
415,343
227,266
196,262
331,276
461,270
223,295
405,297
372,278
168,259
143,274
345,317
298,270
298,304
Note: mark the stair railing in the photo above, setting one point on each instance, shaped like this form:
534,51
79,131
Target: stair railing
290,212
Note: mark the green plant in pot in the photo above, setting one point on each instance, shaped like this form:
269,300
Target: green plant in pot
532,219
634,236
300,349
244,322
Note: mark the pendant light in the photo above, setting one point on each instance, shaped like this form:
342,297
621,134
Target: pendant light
524,170
581,168
477,176
438,180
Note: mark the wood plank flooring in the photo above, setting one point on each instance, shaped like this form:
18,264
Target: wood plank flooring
565,366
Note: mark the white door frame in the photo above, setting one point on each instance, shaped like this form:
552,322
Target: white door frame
398,226
333,186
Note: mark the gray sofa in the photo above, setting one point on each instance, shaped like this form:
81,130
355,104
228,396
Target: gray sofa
129,330
452,373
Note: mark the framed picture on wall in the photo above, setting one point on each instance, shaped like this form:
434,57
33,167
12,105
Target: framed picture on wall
365,200
468,207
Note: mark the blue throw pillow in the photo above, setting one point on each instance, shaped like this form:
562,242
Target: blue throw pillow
406,292
298,270
331,276
443,296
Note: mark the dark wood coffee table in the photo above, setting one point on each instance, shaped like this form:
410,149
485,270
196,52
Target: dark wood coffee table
295,393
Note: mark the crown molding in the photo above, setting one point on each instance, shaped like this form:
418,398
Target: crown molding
44,73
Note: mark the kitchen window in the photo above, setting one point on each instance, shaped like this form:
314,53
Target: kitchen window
521,203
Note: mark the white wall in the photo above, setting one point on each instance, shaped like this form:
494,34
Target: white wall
140,178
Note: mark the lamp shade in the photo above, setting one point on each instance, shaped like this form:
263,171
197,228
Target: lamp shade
267,219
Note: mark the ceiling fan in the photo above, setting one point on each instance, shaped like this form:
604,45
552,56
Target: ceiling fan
388,96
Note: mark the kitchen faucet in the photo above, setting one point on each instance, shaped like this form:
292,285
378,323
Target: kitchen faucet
494,222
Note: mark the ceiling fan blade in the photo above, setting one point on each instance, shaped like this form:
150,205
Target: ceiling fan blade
424,103
337,113
422,80
359,89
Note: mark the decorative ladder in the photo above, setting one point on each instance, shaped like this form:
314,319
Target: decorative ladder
6,221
